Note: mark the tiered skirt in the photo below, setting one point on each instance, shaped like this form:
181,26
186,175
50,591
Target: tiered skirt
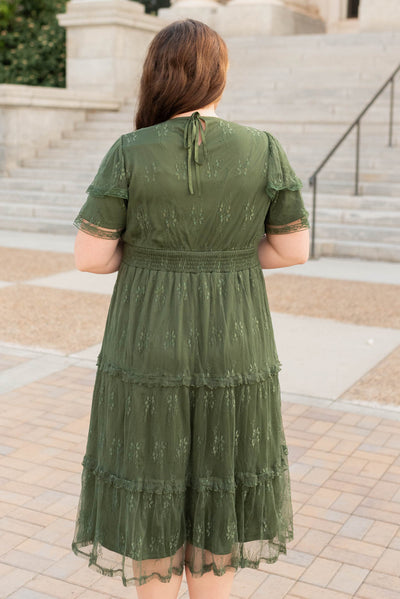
186,461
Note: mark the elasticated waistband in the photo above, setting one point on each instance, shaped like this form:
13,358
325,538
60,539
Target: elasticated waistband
188,260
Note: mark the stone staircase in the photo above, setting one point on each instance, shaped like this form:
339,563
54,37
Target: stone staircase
306,90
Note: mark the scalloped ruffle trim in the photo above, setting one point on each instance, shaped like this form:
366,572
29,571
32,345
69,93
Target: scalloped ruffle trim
188,380
281,175
213,484
294,183
114,192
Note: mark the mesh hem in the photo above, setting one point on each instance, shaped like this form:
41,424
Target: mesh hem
178,570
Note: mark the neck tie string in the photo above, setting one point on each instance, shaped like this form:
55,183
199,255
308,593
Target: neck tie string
191,142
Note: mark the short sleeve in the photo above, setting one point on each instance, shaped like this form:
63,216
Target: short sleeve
104,212
286,212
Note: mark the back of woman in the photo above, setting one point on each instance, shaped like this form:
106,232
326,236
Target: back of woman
221,201
186,461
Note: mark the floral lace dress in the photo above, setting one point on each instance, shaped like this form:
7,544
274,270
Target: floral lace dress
186,460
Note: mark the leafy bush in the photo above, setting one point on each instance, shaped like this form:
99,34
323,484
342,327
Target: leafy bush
32,43
152,6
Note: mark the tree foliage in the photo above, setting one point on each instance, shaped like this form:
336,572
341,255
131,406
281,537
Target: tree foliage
32,43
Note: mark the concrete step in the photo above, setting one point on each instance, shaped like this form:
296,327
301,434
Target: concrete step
57,227
36,211
292,128
334,176
99,136
343,85
364,188
364,68
97,133
122,115
353,232
26,186
356,249
256,108
43,198
76,163
50,174
352,202
83,145
320,41
375,218
115,128
328,174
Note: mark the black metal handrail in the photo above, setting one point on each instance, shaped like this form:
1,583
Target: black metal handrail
313,178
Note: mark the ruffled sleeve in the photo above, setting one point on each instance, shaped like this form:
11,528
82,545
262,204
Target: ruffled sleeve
104,212
286,212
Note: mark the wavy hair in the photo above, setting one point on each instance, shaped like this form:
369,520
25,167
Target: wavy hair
184,69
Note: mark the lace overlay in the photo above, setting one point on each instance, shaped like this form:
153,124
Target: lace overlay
283,189
186,461
104,212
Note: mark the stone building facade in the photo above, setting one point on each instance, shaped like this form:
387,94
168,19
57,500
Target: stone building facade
288,17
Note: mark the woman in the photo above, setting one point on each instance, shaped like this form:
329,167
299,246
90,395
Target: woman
186,464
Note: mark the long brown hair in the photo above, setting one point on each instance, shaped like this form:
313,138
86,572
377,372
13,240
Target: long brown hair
184,69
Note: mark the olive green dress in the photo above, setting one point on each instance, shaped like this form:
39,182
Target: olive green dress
186,460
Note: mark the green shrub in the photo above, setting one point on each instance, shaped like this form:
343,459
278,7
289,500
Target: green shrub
32,43
152,6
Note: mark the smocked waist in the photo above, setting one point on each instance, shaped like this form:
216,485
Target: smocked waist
190,260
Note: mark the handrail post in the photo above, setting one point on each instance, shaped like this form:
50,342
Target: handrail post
314,184
391,111
357,156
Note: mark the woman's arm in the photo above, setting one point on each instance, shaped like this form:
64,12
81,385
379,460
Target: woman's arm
97,255
113,264
286,249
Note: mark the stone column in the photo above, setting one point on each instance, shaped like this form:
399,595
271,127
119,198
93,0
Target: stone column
268,17
207,11
379,15
106,44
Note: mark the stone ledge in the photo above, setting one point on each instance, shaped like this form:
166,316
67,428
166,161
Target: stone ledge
33,116
54,97
108,12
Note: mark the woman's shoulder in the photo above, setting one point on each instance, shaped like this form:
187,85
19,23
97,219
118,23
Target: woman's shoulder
141,135
262,137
